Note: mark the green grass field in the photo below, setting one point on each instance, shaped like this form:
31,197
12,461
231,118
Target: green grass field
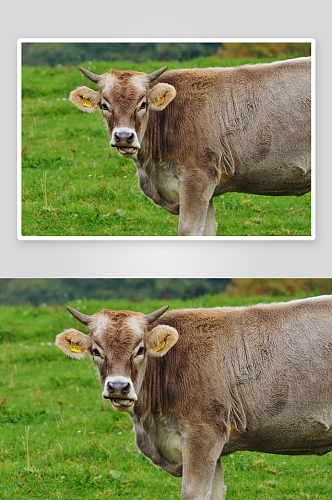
74,184
60,440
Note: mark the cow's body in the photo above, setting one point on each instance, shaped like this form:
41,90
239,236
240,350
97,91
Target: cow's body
245,129
248,378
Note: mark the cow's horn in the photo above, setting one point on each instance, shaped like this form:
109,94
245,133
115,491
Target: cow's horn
156,314
153,76
92,76
83,318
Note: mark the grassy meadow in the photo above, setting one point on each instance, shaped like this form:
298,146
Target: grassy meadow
74,184
60,440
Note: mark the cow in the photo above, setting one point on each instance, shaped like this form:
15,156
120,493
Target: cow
198,133
199,384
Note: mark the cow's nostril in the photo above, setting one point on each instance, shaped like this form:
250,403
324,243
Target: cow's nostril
125,389
130,138
110,388
117,137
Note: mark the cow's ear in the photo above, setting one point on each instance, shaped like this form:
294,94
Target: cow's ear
74,343
85,99
160,96
160,340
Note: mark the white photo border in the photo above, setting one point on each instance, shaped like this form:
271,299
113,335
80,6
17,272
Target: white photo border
21,41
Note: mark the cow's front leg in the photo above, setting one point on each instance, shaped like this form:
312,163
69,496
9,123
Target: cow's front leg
200,453
211,226
218,488
196,207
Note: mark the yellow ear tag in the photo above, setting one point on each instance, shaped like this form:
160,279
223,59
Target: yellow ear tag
86,103
161,100
74,347
161,346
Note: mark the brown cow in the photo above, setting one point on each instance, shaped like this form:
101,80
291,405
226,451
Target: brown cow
197,133
202,383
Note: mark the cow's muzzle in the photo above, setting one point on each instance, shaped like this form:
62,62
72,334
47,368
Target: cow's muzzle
125,141
124,137
120,393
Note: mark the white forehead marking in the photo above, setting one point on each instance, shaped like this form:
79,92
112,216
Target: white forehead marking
108,81
137,325
99,323
140,83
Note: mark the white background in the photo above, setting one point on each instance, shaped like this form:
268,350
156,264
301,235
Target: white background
174,18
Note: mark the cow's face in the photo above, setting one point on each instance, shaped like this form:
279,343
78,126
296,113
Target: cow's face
125,99
119,344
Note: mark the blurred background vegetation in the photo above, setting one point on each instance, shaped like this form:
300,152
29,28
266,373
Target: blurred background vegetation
53,54
53,291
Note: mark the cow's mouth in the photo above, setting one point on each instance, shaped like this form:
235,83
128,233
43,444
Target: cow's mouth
124,403
127,151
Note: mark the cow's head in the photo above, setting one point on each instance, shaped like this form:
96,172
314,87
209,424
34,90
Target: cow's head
119,343
125,99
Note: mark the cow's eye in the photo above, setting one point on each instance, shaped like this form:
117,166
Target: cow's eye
140,351
143,105
95,352
104,107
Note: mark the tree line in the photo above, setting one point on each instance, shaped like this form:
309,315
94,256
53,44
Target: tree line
52,54
61,53
51,291
36,291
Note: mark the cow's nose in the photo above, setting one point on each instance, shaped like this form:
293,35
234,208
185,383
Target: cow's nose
118,388
124,137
